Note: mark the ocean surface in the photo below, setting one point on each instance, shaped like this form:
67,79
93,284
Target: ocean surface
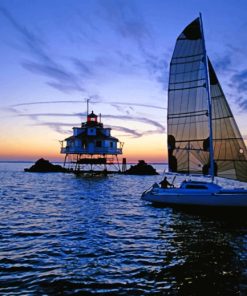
66,235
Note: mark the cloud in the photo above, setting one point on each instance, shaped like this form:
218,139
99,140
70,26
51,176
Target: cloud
83,68
80,115
11,109
63,80
130,132
59,77
38,118
93,99
51,114
56,126
242,103
34,44
126,20
59,127
223,63
159,126
240,80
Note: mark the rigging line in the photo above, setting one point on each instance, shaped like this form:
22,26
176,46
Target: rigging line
227,139
232,160
192,149
188,81
215,97
223,117
189,56
185,88
190,112
199,121
184,116
193,140
187,72
185,62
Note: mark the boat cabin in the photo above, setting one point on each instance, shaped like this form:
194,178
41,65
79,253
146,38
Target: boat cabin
199,185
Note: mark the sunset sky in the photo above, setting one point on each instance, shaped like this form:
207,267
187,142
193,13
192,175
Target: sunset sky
54,54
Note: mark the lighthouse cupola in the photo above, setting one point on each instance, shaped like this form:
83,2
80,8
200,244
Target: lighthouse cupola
92,119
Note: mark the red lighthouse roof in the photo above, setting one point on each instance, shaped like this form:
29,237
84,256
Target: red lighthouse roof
92,117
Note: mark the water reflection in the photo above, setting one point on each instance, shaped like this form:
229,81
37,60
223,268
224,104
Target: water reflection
62,235
202,257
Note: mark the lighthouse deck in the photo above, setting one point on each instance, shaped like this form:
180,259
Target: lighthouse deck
91,150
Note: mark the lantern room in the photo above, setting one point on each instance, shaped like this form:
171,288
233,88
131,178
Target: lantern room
92,118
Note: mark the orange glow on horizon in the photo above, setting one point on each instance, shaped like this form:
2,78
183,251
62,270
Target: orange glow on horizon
53,154
131,157
37,144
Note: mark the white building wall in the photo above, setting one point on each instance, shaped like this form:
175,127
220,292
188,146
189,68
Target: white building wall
106,132
77,143
91,131
91,148
77,131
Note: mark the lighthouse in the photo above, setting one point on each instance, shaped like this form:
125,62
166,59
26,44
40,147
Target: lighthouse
91,147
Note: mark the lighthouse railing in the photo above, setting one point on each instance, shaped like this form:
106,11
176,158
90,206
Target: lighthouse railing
96,150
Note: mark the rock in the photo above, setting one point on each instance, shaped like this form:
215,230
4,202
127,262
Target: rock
44,166
142,168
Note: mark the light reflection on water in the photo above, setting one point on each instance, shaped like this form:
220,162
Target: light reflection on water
66,235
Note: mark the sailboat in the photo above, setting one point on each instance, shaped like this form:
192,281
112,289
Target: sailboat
203,137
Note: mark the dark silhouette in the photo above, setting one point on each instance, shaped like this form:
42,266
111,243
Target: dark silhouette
172,160
206,143
206,169
173,163
142,168
44,166
164,183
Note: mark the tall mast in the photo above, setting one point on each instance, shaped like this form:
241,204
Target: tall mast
211,148
88,106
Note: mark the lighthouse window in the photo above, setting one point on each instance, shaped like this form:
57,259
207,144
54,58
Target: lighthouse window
98,144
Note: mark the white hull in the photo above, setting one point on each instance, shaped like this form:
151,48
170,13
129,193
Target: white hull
212,197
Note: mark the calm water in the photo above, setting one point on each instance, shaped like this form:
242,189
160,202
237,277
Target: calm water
64,235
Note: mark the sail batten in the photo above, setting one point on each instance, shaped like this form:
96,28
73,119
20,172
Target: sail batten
202,131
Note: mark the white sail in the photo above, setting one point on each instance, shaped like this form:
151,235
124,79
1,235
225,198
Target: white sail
230,153
187,104
188,114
